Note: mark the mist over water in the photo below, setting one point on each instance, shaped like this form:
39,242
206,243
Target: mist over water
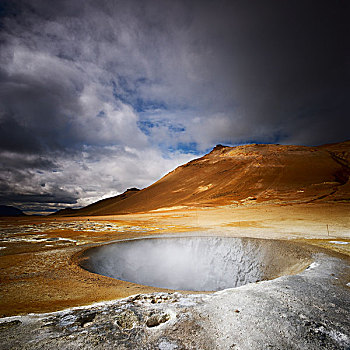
186,263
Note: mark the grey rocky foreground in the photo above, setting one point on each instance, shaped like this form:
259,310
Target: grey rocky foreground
310,310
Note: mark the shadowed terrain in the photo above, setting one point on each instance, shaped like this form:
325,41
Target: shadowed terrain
6,210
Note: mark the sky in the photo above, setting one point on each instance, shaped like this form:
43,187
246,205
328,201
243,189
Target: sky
98,96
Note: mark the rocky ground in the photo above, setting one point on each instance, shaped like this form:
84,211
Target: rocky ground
306,311
39,273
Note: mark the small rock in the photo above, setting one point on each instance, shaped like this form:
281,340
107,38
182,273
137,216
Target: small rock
156,319
127,319
87,324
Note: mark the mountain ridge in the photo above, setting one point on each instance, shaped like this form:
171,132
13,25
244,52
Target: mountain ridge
254,173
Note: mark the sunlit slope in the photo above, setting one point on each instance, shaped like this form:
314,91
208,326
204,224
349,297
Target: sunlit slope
244,174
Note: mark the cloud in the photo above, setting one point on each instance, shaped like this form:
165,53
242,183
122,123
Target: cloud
83,179
100,96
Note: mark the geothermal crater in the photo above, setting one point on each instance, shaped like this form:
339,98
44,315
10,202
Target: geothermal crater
196,263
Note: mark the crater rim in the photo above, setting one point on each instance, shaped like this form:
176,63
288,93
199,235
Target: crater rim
299,255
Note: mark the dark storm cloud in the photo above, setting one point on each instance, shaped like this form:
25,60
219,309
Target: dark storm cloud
291,69
18,188
94,94
45,198
33,115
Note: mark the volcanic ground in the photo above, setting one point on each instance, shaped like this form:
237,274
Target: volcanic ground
294,199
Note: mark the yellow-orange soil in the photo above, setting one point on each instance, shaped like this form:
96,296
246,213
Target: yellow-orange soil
44,276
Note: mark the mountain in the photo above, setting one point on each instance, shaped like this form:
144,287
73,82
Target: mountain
242,175
6,210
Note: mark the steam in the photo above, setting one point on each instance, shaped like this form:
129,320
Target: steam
192,263
197,263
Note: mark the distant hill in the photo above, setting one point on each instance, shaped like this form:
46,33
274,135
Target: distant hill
243,175
6,210
103,203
